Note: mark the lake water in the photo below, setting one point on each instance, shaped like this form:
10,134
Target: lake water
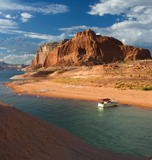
123,129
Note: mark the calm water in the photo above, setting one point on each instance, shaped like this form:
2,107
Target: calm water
122,129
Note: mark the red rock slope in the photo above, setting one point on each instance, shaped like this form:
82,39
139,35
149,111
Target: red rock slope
23,136
87,48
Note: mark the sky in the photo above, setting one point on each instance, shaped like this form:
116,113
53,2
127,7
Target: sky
27,24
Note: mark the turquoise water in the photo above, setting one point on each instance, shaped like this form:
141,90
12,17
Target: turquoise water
123,129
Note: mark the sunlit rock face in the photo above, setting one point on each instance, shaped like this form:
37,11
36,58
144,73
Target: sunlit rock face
87,48
44,50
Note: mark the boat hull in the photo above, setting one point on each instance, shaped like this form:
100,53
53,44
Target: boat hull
108,104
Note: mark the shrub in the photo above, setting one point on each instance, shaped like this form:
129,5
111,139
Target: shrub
130,75
150,87
144,88
35,80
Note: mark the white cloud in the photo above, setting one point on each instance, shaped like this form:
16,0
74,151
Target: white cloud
8,16
48,38
132,10
19,45
135,25
34,7
2,48
119,6
25,17
5,24
19,59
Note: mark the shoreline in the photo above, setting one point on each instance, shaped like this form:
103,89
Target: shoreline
49,89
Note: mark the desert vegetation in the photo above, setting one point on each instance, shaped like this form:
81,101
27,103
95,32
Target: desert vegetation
135,75
124,75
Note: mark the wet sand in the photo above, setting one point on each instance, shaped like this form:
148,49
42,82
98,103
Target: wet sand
49,89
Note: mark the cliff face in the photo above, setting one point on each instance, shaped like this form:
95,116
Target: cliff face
44,50
23,136
87,48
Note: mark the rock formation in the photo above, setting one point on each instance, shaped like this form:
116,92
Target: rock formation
23,136
87,48
44,50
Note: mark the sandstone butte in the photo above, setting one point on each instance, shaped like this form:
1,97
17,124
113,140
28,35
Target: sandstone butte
87,48
23,136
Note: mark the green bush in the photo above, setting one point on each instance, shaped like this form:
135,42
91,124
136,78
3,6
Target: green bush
35,80
144,88
150,87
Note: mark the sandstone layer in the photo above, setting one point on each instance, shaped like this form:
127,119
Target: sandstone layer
23,136
44,50
87,48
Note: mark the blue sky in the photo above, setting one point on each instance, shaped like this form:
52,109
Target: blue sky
25,25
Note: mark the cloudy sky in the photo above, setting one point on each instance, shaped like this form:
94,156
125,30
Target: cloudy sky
27,24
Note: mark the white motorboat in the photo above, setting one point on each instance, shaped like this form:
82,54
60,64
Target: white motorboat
107,103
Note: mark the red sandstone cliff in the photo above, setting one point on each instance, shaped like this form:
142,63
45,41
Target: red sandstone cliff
87,48
23,136
44,50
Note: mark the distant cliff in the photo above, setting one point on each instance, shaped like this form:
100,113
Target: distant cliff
5,66
87,48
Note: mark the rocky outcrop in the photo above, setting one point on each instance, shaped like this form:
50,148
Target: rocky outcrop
5,66
23,136
87,48
44,50
134,53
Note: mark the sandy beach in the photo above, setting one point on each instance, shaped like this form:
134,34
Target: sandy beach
49,89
